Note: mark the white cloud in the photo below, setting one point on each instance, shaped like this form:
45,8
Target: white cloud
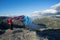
16,14
57,15
35,13
49,11
55,9
6,15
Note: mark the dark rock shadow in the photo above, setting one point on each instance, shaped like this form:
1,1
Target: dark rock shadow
17,31
50,34
2,32
18,26
5,26
42,25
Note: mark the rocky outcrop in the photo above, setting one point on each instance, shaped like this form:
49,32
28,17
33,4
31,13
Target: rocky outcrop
19,34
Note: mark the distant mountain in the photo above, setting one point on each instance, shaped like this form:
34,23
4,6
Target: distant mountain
50,22
3,18
37,15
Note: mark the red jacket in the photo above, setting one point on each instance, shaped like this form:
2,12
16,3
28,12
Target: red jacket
9,21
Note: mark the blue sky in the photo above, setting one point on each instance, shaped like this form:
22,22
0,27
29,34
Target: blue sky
17,7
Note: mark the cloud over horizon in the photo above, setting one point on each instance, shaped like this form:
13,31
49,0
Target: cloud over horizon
54,10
